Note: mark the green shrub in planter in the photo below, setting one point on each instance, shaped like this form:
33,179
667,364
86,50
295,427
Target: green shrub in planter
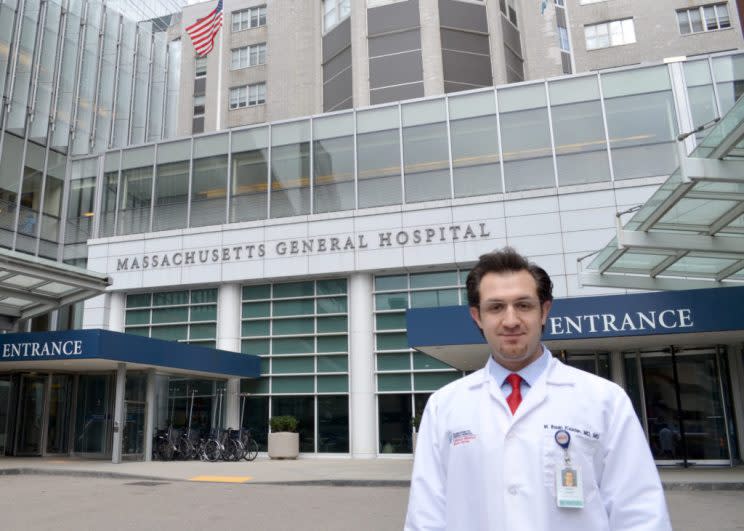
283,423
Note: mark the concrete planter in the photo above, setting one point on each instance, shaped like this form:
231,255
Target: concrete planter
284,445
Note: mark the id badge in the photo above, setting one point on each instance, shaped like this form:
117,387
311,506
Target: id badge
569,490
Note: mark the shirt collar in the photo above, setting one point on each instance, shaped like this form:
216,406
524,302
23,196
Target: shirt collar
529,374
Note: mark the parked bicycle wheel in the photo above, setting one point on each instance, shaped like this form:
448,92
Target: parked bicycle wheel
251,450
166,450
212,450
233,450
186,449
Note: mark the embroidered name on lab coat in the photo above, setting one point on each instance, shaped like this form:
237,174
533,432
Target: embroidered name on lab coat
461,437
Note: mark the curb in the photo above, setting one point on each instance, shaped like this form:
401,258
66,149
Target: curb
703,485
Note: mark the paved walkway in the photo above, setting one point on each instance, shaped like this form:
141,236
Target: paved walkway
317,471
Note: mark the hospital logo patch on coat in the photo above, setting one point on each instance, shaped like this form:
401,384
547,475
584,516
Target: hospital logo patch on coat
461,437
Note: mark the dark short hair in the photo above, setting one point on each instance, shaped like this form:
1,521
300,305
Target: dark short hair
503,261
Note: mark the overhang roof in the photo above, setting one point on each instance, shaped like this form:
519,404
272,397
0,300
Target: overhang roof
690,233
91,350
32,286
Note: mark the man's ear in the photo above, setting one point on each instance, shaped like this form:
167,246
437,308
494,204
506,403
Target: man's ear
545,310
475,314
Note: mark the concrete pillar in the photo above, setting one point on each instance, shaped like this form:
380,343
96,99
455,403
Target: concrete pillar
431,49
361,367
121,380
116,310
228,338
149,414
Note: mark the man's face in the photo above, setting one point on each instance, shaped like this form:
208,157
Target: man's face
511,317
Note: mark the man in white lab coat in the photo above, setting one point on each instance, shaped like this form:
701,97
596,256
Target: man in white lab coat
528,443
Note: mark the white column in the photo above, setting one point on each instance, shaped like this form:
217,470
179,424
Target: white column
149,414
116,312
228,338
361,367
121,379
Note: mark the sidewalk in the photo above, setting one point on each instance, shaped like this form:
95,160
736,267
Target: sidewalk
310,471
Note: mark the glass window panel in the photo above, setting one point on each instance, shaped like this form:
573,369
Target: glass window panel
425,362
284,327
293,289
700,92
684,22
394,362
378,157
256,309
333,344
255,346
145,332
171,195
11,170
332,286
300,407
255,328
171,333
431,280
332,324
333,423
333,363
390,321
256,292
391,301
292,365
203,331
434,298
384,283
170,297
290,169
293,384
294,345
475,155
137,317
139,300
394,341
332,305
204,313
333,384
394,382
258,386
249,185
700,265
134,200
433,381
200,296
208,191
426,162
639,261
293,307
394,422
170,315
729,74
333,160
80,210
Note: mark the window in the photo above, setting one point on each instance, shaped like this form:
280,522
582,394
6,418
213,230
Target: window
561,3
509,10
334,12
249,18
584,2
197,125
248,56
563,39
247,96
200,66
703,18
614,33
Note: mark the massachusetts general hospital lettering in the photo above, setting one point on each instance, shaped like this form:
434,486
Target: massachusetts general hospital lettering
330,244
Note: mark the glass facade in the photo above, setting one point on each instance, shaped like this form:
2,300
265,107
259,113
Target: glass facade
405,378
300,331
188,316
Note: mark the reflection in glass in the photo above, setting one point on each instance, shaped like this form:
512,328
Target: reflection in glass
333,424
700,93
93,414
28,218
394,423
525,138
290,169
135,200
641,122
209,186
578,131
425,151
59,414
249,175
51,211
31,415
378,157
729,76
302,408
475,144
333,161
255,411
10,170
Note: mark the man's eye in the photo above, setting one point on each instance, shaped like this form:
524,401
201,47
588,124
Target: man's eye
496,307
525,306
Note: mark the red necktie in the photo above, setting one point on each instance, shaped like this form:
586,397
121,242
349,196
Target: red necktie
515,398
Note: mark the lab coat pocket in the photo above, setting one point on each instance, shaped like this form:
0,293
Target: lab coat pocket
581,452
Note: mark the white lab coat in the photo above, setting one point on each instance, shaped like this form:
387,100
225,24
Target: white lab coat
477,467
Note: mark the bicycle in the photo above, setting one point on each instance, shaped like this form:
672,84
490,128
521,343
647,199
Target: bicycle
163,448
250,445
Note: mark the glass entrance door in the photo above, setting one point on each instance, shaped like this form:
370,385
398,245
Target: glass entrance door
58,427
30,426
685,416
93,415
5,393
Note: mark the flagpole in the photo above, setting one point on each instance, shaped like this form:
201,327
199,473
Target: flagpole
219,82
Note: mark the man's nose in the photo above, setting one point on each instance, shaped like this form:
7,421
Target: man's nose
510,316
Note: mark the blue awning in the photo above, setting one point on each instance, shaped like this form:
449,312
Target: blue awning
102,349
601,322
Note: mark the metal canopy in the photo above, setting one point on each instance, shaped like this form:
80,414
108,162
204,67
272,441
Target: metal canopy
690,233
31,286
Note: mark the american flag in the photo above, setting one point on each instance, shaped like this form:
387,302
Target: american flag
204,30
